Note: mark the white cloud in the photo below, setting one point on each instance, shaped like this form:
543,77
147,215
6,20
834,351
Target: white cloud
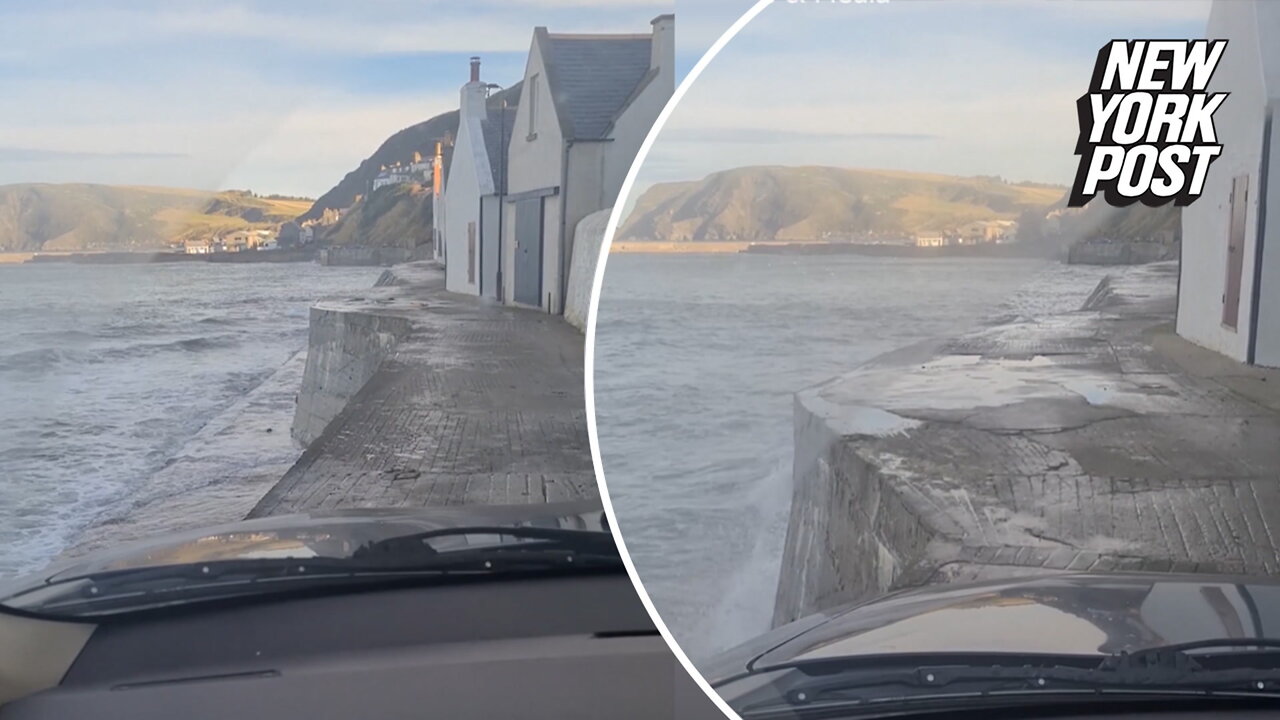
377,29
813,85
229,130
218,113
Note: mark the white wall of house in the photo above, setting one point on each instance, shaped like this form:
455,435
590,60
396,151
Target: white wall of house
470,177
1267,351
535,163
1268,339
595,169
632,126
584,191
1206,222
437,227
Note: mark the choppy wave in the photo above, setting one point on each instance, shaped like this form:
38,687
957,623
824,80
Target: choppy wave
50,359
696,366
44,358
108,372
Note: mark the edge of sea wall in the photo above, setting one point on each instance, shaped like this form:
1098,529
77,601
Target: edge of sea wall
857,531
346,346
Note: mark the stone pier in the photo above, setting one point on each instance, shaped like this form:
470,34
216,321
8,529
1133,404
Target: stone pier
414,397
1093,440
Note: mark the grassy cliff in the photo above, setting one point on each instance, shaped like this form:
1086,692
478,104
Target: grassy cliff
36,217
393,216
386,219
810,203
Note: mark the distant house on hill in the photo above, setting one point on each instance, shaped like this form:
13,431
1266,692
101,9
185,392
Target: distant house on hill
1229,289
416,171
587,103
985,231
331,216
201,246
476,183
393,175
240,240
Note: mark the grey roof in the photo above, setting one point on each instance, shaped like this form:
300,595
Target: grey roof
592,77
497,137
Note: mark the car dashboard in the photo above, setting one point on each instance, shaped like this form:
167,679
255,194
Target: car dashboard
578,647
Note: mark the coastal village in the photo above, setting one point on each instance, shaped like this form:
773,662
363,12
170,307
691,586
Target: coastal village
519,195
458,378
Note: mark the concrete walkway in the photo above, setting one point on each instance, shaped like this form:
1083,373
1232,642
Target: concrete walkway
1093,440
473,403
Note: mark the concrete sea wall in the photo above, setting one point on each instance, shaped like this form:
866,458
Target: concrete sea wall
854,530
361,255
1089,440
587,240
890,487
1127,252
348,342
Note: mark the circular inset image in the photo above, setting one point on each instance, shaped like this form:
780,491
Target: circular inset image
933,331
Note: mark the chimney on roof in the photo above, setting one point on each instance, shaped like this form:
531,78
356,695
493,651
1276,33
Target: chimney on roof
472,102
663,48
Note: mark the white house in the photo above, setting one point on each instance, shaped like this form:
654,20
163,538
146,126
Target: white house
586,105
1229,289
473,189
394,175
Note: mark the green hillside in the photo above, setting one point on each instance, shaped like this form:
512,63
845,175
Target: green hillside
810,203
36,217
393,216
400,147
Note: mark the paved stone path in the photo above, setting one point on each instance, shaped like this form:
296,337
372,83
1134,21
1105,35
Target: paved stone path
479,404
1095,440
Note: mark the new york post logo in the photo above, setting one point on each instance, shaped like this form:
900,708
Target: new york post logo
1146,124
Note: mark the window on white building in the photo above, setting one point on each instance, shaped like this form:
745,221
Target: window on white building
533,107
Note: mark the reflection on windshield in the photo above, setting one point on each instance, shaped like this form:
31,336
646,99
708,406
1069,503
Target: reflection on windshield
1013,625
1062,618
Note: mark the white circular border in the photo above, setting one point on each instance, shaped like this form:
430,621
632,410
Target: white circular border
589,364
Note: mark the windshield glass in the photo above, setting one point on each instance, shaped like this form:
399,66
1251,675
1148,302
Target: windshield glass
918,309
248,316
206,563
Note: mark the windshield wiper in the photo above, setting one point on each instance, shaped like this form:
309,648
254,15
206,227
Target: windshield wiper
1159,670
539,551
585,544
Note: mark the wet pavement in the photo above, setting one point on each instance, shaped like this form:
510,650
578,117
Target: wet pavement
1093,440
476,403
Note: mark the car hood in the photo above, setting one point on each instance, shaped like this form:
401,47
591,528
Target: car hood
329,534
1074,614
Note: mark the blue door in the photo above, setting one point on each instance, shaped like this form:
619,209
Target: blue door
528,264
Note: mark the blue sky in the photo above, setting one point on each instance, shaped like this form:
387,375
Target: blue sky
277,96
967,87
288,95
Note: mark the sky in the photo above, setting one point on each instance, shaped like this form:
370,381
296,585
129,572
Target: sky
964,87
287,96
274,96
